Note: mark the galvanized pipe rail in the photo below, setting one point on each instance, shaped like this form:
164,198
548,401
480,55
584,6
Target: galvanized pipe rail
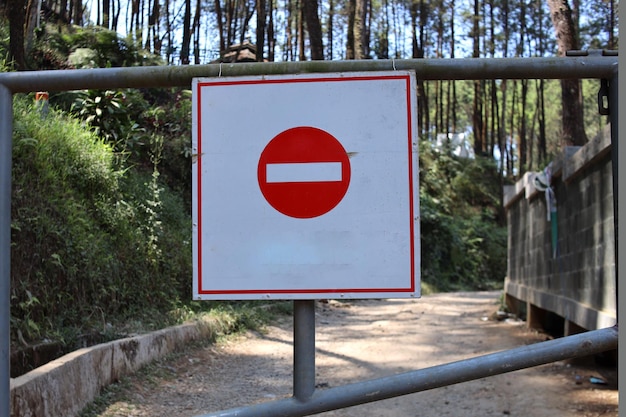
583,344
426,69
597,66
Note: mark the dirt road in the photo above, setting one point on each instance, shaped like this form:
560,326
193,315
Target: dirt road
367,339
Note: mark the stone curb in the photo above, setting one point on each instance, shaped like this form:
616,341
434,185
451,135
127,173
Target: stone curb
65,386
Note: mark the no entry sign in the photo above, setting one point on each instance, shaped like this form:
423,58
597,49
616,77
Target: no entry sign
304,172
305,186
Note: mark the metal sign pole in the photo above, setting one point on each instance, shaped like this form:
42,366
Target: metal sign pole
303,349
6,147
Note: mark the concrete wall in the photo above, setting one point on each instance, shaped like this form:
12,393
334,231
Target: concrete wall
65,386
578,285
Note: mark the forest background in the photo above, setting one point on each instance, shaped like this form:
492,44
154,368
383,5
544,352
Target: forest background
101,229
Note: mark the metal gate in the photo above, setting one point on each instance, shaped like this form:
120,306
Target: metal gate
306,400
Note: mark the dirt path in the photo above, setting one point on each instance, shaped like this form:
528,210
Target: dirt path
368,339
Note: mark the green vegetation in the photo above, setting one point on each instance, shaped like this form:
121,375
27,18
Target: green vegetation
86,47
92,240
101,214
463,239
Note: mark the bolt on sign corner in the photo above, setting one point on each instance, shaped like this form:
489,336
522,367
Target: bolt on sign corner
305,186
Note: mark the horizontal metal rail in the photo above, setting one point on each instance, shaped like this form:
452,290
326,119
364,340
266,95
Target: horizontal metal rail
579,345
595,66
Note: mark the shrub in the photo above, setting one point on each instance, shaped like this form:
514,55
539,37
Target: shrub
463,244
92,241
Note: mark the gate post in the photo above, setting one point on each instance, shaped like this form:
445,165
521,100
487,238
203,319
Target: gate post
6,148
614,118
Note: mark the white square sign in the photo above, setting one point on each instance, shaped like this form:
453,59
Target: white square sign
306,186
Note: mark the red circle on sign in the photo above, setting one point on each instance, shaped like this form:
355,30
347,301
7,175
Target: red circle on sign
304,172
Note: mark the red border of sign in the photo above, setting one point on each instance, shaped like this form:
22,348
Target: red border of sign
409,98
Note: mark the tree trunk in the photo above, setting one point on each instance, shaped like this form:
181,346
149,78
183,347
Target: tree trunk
106,13
542,152
477,114
523,142
350,43
78,12
289,48
452,47
541,117
245,22
331,19
152,39
510,167
116,15
611,28
185,46
32,14
573,129
168,32
151,7
62,12
140,20
16,12
220,26
301,55
359,29
314,28
132,27
271,37
368,29
231,24
196,32
496,133
423,109
260,29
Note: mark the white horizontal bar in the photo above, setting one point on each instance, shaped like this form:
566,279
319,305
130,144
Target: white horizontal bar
303,172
